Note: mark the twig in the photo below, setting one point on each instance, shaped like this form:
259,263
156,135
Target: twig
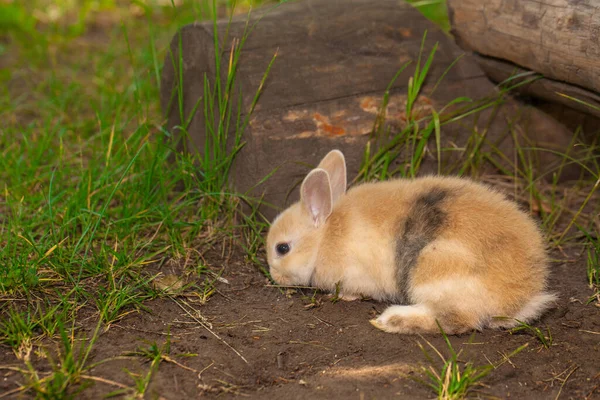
17,390
154,235
204,369
169,359
323,321
103,380
10,368
592,332
565,381
205,326
143,330
591,392
290,287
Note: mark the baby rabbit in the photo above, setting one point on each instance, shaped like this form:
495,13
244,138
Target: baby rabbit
445,249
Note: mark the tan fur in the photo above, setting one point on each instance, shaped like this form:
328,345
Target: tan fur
486,260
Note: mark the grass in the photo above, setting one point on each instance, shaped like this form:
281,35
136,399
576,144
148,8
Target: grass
454,378
89,215
68,366
593,269
451,381
86,205
545,338
592,255
155,355
434,10
18,331
408,146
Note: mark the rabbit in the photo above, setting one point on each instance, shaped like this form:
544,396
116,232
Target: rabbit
444,250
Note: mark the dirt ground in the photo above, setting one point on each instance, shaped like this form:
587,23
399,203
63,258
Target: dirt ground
297,347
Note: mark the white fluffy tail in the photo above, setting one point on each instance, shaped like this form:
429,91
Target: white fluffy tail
536,307
532,310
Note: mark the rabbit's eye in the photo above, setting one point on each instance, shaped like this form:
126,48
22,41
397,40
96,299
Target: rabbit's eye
282,248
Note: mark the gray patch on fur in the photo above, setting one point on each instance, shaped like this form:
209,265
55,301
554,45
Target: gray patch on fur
421,226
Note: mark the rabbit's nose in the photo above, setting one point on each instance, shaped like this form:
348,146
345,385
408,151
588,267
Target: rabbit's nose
278,278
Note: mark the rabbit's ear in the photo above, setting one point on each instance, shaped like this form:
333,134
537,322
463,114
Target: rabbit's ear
335,165
315,195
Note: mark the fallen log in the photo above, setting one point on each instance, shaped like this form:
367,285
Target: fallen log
559,39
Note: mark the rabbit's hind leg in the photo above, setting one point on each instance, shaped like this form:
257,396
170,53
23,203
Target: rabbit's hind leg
457,304
420,318
416,318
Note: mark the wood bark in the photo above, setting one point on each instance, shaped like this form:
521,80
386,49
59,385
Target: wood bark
547,89
558,38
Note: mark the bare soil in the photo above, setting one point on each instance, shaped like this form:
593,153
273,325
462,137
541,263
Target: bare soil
303,345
